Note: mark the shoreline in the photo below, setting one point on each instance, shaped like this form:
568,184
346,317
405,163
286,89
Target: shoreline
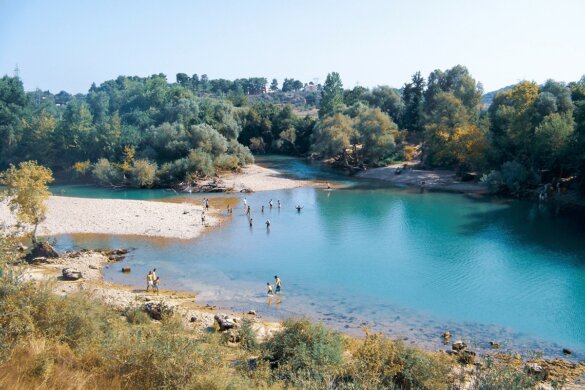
196,316
435,180
201,319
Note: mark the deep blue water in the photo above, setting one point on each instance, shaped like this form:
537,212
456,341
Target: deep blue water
409,264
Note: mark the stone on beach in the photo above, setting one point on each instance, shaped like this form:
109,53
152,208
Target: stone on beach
158,310
225,322
71,274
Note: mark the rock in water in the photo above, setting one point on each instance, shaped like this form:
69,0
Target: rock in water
494,344
43,249
567,351
225,322
126,270
71,274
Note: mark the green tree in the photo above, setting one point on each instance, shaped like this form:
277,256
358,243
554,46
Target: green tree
13,104
27,190
332,96
376,134
333,136
274,85
412,95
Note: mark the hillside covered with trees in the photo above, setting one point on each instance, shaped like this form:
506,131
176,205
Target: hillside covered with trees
145,132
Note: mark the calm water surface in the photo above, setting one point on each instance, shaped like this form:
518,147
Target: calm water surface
409,264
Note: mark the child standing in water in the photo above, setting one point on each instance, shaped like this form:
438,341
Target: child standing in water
269,287
156,284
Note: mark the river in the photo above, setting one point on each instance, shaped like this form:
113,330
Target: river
408,264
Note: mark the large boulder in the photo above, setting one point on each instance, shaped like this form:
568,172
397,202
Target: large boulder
71,274
43,249
158,310
225,322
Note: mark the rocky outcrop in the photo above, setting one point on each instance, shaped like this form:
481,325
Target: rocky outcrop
71,274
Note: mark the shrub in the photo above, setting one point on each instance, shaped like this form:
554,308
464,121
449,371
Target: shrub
143,173
226,162
500,376
248,337
200,163
106,172
304,349
379,363
513,178
136,316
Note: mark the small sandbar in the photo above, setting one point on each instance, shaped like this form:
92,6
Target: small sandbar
257,178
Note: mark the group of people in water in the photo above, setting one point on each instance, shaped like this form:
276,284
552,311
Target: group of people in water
152,281
248,210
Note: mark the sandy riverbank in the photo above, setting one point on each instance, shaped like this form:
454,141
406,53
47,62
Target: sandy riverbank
196,316
440,180
115,216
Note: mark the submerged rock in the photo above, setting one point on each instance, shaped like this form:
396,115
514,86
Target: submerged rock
71,274
126,270
567,351
494,344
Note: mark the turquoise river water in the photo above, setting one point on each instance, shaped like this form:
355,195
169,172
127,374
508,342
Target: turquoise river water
409,264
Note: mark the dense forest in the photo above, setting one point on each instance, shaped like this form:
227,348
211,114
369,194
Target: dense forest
147,131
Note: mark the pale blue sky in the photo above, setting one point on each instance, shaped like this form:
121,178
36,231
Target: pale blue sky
68,44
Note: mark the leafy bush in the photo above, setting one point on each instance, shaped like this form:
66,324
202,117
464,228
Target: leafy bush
226,162
143,173
379,363
305,349
513,178
200,163
499,376
248,337
106,172
136,316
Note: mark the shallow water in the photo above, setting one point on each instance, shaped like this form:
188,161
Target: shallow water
409,264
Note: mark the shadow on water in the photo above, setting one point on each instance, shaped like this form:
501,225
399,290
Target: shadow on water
532,225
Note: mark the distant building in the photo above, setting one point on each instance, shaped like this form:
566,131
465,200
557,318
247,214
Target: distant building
311,87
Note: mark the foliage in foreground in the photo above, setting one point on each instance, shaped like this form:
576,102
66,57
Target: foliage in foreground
49,341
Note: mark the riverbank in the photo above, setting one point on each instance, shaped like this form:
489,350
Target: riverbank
67,215
406,175
195,316
201,320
